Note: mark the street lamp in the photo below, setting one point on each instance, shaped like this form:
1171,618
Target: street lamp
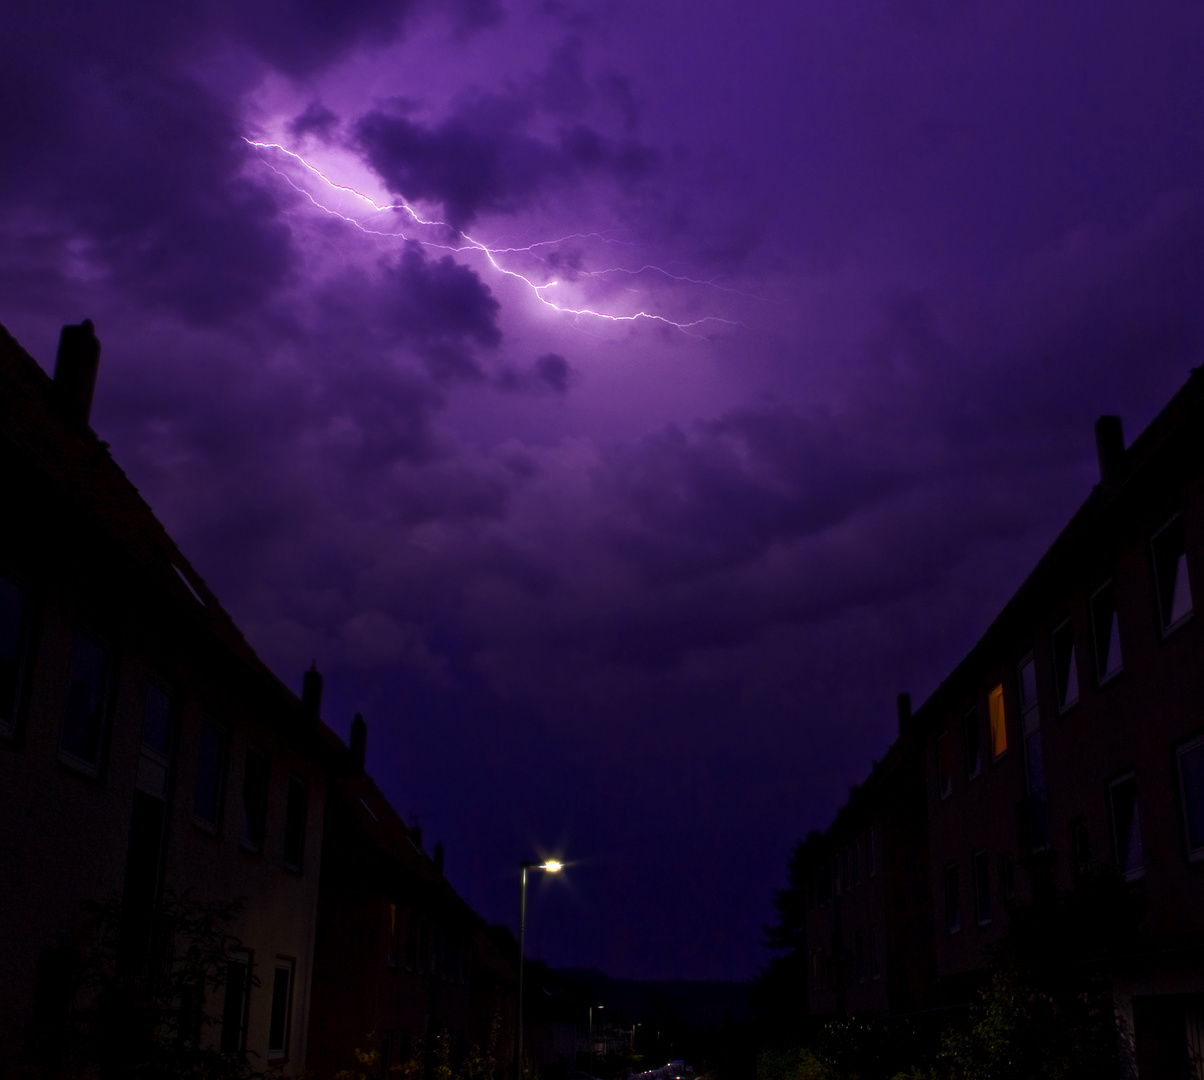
552,866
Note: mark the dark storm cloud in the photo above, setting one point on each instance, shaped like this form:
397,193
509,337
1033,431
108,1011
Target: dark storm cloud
483,160
550,373
718,497
431,300
316,119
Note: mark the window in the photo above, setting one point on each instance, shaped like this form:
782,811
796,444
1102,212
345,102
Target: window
953,911
254,800
1106,633
154,758
282,1007
855,860
295,813
871,861
875,963
1191,789
859,956
210,776
944,764
1066,669
234,1010
999,728
83,721
972,743
980,865
1007,879
1169,552
13,616
1126,827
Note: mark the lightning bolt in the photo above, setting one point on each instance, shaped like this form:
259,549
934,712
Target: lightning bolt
466,243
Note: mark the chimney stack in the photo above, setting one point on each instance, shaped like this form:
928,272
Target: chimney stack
359,744
438,858
1110,449
75,369
904,707
311,694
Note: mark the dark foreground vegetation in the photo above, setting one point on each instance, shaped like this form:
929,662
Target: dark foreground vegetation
1041,1009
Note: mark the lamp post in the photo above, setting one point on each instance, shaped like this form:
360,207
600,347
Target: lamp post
591,1036
552,866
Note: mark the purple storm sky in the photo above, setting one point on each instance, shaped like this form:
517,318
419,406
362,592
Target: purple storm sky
636,591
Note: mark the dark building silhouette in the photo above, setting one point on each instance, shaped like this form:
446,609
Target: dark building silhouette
1064,753
402,965
148,755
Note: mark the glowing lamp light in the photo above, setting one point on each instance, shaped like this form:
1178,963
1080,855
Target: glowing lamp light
553,866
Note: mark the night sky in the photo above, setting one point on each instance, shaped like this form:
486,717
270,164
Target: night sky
622,400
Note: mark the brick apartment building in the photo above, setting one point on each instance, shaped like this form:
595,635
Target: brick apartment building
146,753
1068,743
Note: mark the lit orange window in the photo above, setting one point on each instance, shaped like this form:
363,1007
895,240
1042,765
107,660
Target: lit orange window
999,728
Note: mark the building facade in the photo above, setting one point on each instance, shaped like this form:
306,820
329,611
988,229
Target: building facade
1064,756
192,864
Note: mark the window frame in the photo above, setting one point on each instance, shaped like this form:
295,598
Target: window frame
237,1046
277,1054
1064,702
997,722
1168,626
1102,676
1194,745
1137,872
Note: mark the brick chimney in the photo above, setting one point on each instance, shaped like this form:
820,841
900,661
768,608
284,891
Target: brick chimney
311,694
75,369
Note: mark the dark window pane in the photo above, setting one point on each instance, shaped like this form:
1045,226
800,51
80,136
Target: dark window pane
294,823
1191,775
282,982
156,722
1066,672
1170,574
12,633
1106,632
210,763
82,723
234,1011
254,799
1126,828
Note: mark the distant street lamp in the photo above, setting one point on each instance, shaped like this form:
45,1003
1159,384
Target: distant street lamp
552,866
